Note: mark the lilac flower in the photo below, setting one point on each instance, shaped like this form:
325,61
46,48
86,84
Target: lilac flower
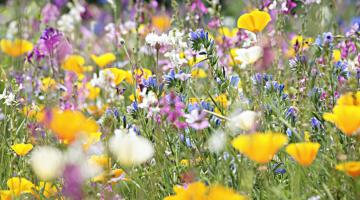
49,13
197,119
73,182
172,108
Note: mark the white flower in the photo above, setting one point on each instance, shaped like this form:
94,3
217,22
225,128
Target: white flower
47,162
249,55
131,149
148,99
245,121
9,98
217,141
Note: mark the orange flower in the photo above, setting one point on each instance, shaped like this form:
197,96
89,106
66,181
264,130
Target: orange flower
67,125
260,147
351,168
304,153
347,105
161,22
254,21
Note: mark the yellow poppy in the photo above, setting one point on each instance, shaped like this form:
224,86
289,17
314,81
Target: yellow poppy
6,195
103,59
195,190
15,48
19,186
48,189
74,63
227,32
91,139
93,92
143,72
218,192
351,168
119,75
254,21
304,153
22,149
101,161
347,105
198,73
336,55
260,147
161,22
47,83
112,176
200,191
67,125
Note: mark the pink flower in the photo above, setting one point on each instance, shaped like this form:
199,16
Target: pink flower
197,119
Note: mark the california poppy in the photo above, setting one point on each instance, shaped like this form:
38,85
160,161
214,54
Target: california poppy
260,147
254,21
104,59
304,153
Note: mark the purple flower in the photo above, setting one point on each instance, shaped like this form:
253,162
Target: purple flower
49,13
73,182
197,119
328,37
51,42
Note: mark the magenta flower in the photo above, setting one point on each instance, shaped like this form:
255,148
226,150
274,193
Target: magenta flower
172,107
198,4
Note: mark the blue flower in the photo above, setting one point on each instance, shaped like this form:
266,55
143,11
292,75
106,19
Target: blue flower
328,37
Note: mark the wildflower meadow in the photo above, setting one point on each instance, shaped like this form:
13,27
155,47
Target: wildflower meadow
180,99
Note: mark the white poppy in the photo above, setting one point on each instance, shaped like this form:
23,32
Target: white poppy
245,121
131,149
47,162
249,55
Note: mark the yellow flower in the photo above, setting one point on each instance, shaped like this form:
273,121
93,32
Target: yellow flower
304,153
198,73
74,63
22,149
351,168
195,60
48,189
195,190
93,92
119,75
254,21
91,139
218,192
19,186
347,105
101,161
67,125
199,191
336,55
5,195
227,32
260,147
161,22
47,83
15,48
112,176
222,100
299,41
143,72
103,59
